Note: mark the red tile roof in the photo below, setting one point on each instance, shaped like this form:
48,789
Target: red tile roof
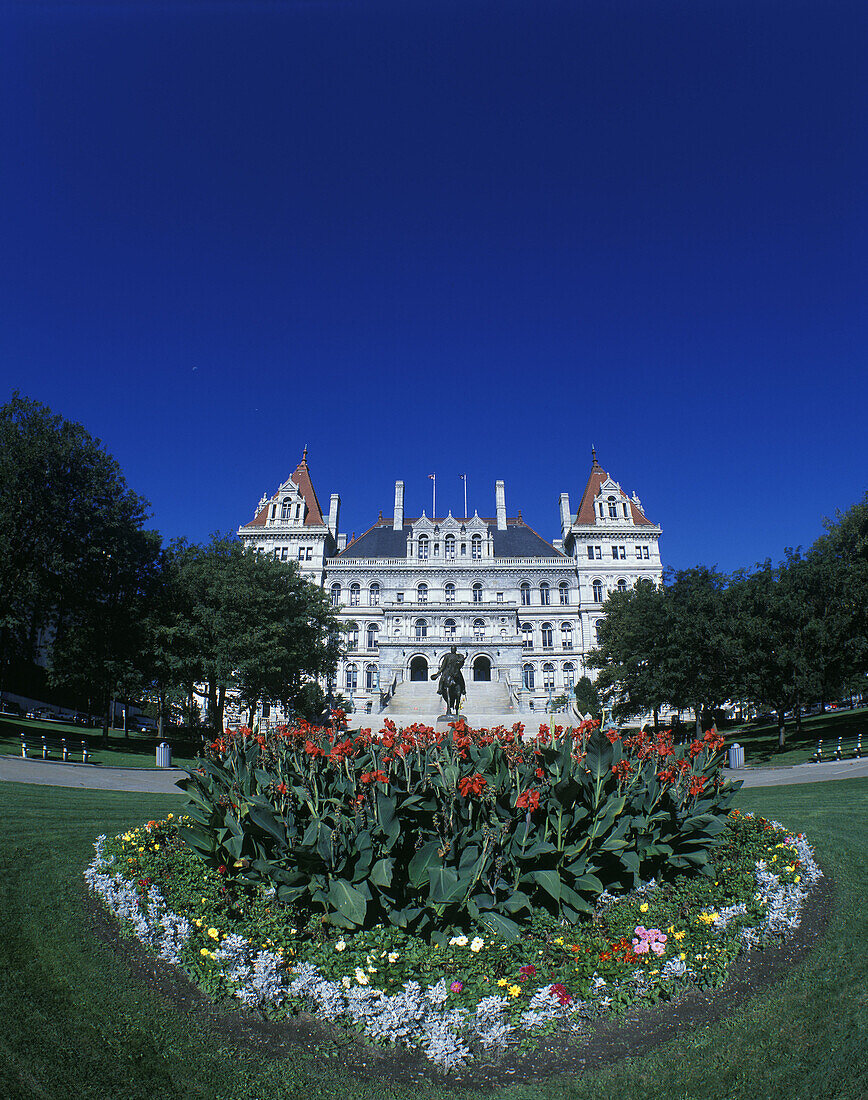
313,513
586,513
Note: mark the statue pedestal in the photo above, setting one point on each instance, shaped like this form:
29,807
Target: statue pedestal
444,720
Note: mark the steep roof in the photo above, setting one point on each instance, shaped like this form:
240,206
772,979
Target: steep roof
517,541
586,514
313,512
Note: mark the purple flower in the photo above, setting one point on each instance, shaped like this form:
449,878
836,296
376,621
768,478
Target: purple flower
456,987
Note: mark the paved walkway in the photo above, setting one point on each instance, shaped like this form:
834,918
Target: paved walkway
162,780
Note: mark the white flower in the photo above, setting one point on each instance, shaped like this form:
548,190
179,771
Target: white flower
393,956
361,976
345,982
477,944
458,941
340,946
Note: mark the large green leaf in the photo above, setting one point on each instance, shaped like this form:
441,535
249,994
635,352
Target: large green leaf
425,858
550,881
348,901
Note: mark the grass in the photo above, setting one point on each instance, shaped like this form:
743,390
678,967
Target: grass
76,1024
761,742
135,751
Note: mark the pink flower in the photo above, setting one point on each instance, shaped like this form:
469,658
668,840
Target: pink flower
527,971
560,991
456,987
640,947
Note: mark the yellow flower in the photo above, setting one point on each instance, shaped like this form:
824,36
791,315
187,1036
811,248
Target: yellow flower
213,933
682,956
679,936
707,918
208,954
643,908
502,982
198,923
514,990
560,941
798,878
671,929
169,818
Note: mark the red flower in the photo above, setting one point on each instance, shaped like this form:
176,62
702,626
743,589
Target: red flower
526,971
697,782
529,801
221,870
667,776
696,748
539,773
560,991
281,788
471,784
312,749
621,771
341,751
380,777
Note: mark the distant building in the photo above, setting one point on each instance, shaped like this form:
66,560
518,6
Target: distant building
523,609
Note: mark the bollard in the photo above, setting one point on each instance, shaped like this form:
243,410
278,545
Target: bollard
735,754
164,755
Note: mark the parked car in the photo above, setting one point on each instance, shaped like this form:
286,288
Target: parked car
9,706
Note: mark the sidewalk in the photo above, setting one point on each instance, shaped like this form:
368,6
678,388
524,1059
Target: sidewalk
14,769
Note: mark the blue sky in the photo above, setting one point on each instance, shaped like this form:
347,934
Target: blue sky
456,237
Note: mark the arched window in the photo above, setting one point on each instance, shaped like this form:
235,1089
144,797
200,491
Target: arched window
421,629
613,508
370,677
527,677
597,632
449,593
476,546
526,636
422,593
569,675
423,546
449,546
567,635
351,677
525,594
622,585
373,636
374,595
598,591
478,630
286,508
449,630
336,595
548,676
544,594
546,632
477,593
564,590
352,637
355,595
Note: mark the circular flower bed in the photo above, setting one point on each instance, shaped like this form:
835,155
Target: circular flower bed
473,992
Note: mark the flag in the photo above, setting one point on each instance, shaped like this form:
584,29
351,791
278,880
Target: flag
432,476
463,477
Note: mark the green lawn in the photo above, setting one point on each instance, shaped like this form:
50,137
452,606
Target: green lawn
761,742
76,1024
135,751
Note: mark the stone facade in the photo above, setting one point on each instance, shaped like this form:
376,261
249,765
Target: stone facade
523,609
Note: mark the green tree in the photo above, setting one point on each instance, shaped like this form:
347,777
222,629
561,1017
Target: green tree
252,625
587,697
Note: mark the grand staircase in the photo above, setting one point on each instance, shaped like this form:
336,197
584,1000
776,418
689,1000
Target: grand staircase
487,704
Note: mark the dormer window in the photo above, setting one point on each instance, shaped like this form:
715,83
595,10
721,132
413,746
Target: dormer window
449,544
286,509
476,547
613,508
423,547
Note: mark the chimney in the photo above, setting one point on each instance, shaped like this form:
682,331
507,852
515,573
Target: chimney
566,515
500,498
334,515
398,515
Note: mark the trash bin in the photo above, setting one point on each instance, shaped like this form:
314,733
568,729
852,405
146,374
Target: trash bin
164,755
736,756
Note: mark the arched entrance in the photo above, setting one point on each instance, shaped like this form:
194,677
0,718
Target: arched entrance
481,669
418,669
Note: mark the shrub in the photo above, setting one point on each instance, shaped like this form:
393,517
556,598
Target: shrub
436,832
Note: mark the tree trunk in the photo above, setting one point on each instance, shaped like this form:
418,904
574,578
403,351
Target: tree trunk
782,730
221,702
105,722
798,719
656,721
698,721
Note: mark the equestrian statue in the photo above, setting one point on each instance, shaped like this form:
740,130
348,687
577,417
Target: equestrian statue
451,684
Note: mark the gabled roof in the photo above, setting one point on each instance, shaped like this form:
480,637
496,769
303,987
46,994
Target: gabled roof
301,479
517,541
586,514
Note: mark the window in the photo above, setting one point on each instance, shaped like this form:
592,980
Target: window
626,512
526,636
622,585
370,677
449,546
277,553
449,593
590,553
352,638
351,677
477,593
373,636
546,632
301,553
423,546
597,632
564,592
569,675
422,593
500,597
548,676
436,549
284,553
527,677
336,595
478,630
642,552
421,630
544,595
374,595
355,595
285,508
598,592
525,595
463,549
449,629
476,547
613,508
619,553
567,635
399,597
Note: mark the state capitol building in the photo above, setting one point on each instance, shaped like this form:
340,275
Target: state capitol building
524,610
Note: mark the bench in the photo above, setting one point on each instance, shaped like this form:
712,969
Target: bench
851,746
55,745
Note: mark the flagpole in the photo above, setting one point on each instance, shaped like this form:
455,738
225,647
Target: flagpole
434,491
464,479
